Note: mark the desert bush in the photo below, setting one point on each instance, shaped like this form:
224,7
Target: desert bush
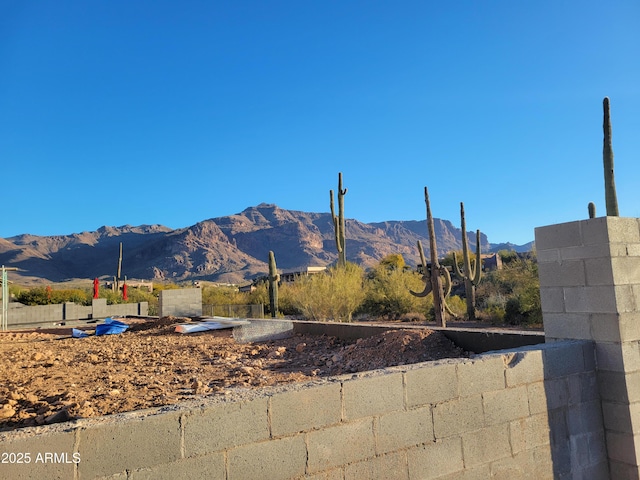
387,292
47,295
512,294
332,295
222,295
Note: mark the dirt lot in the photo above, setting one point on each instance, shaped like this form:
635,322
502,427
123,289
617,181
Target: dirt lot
49,377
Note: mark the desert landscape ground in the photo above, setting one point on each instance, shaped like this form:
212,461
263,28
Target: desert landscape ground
51,377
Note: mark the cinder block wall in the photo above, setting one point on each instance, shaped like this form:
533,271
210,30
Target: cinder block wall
36,314
590,289
533,412
25,317
183,302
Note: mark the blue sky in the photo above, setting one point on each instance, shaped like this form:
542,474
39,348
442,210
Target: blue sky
141,112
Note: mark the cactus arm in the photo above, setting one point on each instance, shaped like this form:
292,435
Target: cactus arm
339,223
607,160
592,210
426,291
426,276
436,283
478,263
274,278
456,269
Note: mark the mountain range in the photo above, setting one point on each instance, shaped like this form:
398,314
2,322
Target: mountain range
231,249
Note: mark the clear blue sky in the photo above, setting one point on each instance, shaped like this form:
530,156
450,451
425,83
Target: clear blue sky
140,112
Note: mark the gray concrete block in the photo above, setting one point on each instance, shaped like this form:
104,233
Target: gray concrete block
502,406
584,252
599,471
598,299
568,273
373,395
399,430
619,387
609,357
556,391
629,326
339,445
625,296
583,388
384,467
303,409
552,300
598,271
606,327
537,398
47,454
486,445
620,417
567,326
134,443
434,384
596,231
485,372
434,460
558,236
563,358
280,459
225,425
529,433
546,256
521,466
458,416
523,366
210,466
620,470
585,418
623,447
623,230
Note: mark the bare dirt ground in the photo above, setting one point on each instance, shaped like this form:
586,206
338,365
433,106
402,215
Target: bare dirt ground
49,377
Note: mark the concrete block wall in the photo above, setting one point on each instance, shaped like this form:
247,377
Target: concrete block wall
44,315
590,289
36,314
183,302
531,412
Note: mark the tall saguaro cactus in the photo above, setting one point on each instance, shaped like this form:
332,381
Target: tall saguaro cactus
338,222
471,272
274,278
607,160
432,278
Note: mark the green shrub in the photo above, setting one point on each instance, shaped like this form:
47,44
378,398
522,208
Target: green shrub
332,295
387,290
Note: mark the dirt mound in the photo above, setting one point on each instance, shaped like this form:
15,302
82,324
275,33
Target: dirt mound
51,377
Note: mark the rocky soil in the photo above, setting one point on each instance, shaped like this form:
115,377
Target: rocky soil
49,377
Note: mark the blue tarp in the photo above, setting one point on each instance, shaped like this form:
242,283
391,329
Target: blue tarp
111,327
75,333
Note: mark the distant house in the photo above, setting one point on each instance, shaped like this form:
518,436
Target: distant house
491,261
289,276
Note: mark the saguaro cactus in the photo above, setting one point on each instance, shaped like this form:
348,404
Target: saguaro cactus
472,271
274,278
338,222
607,159
432,278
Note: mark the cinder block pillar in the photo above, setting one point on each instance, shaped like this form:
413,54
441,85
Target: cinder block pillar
590,289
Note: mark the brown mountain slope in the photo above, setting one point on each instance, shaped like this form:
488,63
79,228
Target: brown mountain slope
231,249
